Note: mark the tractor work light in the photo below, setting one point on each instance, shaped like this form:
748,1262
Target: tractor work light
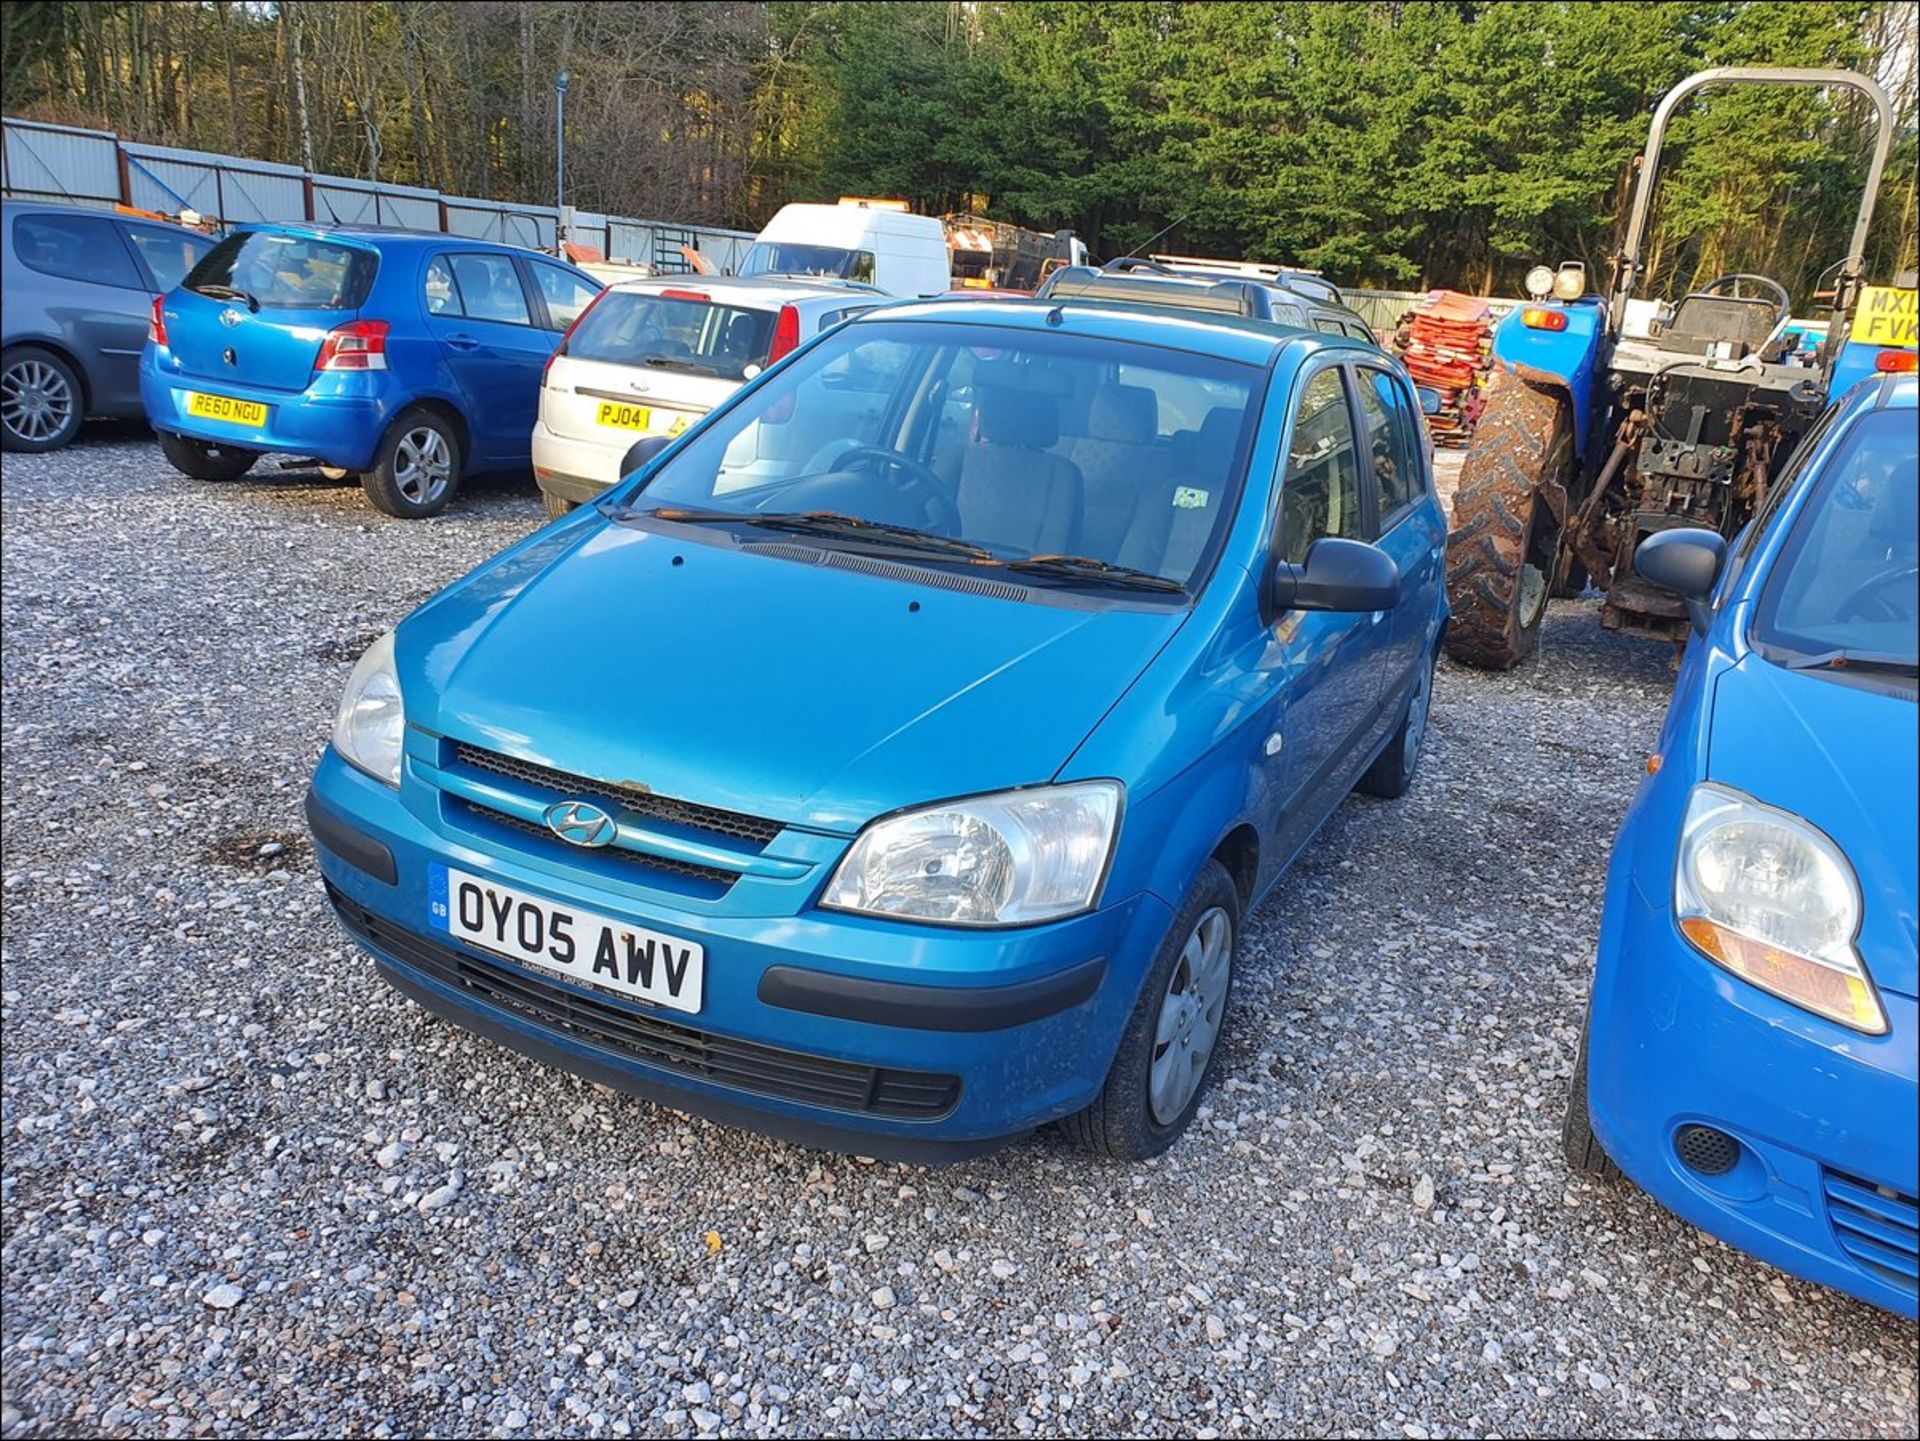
1571,282
1540,282
1539,318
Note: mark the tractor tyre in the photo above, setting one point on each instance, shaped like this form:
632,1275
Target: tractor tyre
1503,550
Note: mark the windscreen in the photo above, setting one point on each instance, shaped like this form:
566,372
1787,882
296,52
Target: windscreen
1065,460
1849,576
674,332
780,257
285,272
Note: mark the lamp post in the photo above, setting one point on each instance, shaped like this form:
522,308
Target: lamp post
560,82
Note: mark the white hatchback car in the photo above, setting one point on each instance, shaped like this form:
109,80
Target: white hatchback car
650,357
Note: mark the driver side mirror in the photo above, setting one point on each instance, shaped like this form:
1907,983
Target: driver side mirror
1685,560
1348,576
1430,399
642,451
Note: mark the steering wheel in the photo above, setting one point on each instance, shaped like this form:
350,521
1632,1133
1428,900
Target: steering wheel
1782,302
924,484
1870,596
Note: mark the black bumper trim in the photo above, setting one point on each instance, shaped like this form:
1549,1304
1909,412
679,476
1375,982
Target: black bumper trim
930,1008
357,849
483,1021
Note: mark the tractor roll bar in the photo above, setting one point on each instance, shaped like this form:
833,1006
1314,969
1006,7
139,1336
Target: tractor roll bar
1628,264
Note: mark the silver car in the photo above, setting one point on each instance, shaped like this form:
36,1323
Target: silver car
77,295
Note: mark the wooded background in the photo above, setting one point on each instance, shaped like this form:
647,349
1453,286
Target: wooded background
1388,144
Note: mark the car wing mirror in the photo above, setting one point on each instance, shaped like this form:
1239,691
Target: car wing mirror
1431,400
642,451
1348,576
1685,560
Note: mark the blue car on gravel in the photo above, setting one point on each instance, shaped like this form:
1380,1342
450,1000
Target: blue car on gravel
409,358
1749,1053
891,761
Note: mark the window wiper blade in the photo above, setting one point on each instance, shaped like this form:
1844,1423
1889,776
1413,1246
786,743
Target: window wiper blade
1841,658
853,527
674,362
1099,572
826,523
227,292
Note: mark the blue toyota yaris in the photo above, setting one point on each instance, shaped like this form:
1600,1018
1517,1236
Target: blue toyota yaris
409,358
1749,1052
890,762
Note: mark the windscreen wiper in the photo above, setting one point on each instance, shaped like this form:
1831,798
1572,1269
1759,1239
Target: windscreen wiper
826,523
227,292
1843,659
1091,570
674,362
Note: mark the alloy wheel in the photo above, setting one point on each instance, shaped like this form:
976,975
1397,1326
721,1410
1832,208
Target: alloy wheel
422,465
36,402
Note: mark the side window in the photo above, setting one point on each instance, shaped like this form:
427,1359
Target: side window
1320,495
442,298
167,254
861,267
489,288
75,247
1330,327
1360,332
1396,479
566,294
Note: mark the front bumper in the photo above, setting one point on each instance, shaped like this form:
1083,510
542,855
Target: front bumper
578,470
339,422
1827,1119
882,1039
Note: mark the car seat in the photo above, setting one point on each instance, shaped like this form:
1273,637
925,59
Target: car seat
1012,491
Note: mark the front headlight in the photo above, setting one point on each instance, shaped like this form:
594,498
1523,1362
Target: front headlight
1763,893
1009,859
371,726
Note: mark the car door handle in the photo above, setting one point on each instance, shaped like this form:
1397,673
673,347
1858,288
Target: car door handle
464,342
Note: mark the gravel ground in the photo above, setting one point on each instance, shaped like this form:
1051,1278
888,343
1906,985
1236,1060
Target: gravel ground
248,1189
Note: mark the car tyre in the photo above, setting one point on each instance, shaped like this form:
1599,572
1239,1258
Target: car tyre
1391,774
418,466
206,459
41,402
558,505
1171,1044
1577,1140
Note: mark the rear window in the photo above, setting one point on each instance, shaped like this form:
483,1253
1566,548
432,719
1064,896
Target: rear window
674,332
285,272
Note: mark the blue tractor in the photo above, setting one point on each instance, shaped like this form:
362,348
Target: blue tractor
1611,418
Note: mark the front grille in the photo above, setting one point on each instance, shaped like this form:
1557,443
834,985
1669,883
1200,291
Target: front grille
755,830
1878,1227
643,1036
707,875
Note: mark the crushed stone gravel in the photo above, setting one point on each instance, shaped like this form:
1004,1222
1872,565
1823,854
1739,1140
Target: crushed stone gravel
248,1189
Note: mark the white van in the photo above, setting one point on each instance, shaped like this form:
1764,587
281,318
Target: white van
875,241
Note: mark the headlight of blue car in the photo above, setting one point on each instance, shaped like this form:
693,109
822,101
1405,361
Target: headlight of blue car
1763,893
1009,859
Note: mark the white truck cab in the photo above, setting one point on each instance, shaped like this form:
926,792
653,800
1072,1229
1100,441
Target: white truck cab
874,241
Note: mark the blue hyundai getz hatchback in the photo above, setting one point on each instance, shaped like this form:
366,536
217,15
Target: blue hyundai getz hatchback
890,763
408,358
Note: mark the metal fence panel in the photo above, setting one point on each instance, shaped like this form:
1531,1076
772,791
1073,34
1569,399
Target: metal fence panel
58,162
343,200
530,225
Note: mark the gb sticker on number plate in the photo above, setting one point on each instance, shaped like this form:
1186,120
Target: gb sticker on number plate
593,949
